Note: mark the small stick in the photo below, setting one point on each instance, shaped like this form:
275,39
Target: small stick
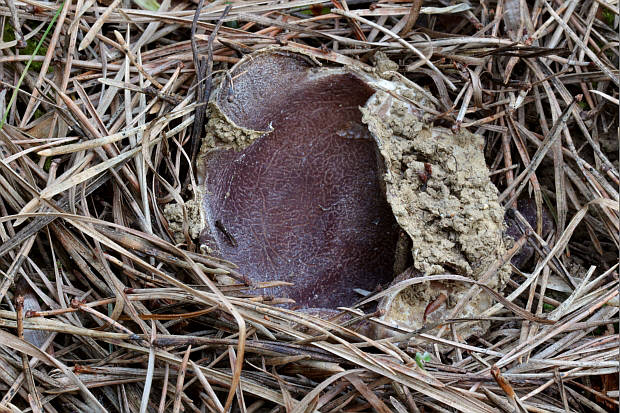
113,323
203,95
197,65
19,304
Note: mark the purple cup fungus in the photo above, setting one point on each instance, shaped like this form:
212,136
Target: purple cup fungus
302,203
334,179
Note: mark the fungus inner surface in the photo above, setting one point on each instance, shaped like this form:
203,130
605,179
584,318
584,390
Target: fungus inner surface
303,203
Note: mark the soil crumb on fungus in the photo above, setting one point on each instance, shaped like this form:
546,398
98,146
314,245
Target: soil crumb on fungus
319,176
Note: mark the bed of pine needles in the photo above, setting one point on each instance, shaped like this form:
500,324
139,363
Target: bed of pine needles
102,106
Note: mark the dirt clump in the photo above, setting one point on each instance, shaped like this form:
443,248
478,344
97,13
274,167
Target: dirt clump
438,187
